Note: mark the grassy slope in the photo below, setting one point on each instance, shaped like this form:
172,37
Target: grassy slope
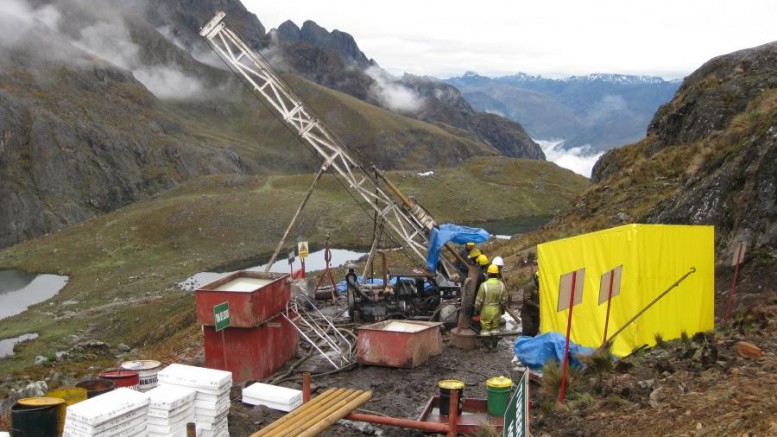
124,267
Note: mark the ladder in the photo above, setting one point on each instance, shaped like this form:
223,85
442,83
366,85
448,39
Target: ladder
319,331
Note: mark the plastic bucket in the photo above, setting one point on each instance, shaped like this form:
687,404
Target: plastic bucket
96,387
122,378
498,389
36,417
446,386
147,372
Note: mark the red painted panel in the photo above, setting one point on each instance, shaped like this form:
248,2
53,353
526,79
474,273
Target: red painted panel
247,309
251,353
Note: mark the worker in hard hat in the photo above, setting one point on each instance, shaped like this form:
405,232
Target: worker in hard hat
530,309
499,262
473,256
464,254
482,262
491,302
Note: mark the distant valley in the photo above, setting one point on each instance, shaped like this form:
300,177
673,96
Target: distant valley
582,115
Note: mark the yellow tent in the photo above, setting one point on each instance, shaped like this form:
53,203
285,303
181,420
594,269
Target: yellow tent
652,258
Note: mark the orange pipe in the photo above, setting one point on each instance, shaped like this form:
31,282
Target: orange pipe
402,423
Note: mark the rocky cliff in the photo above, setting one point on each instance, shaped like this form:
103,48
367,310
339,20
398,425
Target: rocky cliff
104,106
708,159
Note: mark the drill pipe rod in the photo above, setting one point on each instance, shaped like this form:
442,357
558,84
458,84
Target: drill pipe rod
316,415
322,398
313,415
336,415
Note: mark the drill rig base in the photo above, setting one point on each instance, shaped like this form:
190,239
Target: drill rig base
464,338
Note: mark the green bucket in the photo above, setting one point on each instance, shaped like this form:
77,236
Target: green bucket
498,389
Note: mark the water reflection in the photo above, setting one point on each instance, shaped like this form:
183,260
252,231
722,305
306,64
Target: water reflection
19,290
7,345
315,261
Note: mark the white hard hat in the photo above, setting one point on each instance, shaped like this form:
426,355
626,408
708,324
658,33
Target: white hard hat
498,261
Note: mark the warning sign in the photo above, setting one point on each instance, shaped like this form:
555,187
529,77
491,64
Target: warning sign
302,249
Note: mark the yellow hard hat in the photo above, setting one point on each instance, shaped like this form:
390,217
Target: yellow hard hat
482,259
474,253
493,269
470,245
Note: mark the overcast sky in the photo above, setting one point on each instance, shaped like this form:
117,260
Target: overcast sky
554,38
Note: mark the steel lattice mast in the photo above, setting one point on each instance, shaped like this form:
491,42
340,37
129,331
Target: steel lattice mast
408,220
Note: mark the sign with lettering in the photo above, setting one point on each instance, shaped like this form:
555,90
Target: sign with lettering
516,418
221,315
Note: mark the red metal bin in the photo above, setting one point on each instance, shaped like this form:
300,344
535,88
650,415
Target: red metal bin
398,343
253,297
251,353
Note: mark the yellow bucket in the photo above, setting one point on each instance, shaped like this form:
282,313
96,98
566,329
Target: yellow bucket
71,395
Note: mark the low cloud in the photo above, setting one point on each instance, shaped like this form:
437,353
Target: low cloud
392,93
110,41
580,160
169,82
606,108
19,17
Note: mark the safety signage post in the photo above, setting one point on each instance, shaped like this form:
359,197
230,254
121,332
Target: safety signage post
302,249
570,293
221,321
739,256
609,287
516,417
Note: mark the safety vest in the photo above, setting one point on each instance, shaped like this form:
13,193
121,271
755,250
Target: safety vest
493,290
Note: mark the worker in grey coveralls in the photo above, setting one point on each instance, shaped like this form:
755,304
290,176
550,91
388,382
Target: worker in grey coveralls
491,302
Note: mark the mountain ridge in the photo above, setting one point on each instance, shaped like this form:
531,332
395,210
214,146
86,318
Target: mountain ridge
598,111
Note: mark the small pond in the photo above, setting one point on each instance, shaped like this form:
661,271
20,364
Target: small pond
19,290
314,262
6,346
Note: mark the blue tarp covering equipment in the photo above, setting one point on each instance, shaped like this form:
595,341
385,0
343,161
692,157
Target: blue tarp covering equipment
534,352
449,232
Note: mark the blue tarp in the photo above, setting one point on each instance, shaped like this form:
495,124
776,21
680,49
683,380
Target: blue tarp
449,232
534,352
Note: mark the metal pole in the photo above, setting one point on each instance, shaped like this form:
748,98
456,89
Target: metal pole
305,387
296,215
734,282
676,283
562,392
609,301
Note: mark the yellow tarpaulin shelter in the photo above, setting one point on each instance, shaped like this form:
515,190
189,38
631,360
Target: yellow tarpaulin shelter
653,257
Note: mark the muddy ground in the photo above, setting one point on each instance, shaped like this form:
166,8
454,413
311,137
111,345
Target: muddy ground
699,386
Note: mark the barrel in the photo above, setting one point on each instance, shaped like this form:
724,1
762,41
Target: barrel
122,378
36,417
71,395
96,387
498,389
147,372
446,386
